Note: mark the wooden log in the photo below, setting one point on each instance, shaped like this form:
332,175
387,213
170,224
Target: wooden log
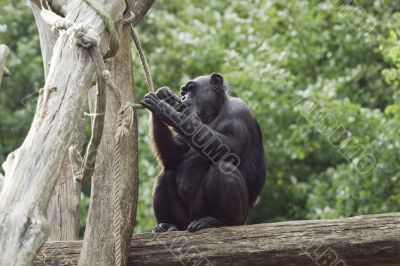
99,245
105,243
363,240
63,212
30,170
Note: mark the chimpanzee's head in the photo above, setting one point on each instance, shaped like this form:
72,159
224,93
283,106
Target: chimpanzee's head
204,95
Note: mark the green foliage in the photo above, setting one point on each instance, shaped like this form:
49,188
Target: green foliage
17,94
273,54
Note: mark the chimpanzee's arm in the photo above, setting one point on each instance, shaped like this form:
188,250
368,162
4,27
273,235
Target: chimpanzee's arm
167,148
164,144
230,140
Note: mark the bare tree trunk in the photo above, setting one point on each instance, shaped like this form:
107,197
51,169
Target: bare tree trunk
48,38
98,247
31,170
63,212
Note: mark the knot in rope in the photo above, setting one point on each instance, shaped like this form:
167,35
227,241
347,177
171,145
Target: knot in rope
124,120
106,74
83,35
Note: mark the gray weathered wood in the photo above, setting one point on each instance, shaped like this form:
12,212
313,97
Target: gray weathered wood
31,170
140,9
99,242
47,38
100,238
370,240
63,211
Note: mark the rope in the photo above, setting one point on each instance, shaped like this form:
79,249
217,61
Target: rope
124,125
109,23
86,37
143,60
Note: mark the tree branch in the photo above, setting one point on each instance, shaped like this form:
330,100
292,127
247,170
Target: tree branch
140,9
364,240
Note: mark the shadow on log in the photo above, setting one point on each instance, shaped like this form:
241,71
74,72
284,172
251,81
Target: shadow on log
363,240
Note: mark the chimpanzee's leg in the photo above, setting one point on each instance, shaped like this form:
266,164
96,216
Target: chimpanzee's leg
225,200
170,211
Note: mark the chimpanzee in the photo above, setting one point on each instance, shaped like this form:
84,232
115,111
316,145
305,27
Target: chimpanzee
211,152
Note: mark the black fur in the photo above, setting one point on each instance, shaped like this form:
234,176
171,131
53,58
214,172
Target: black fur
210,148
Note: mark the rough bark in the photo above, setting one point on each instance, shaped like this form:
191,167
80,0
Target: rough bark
47,38
140,9
63,211
370,240
100,239
98,248
30,170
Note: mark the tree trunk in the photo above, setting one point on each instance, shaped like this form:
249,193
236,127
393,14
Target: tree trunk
98,248
110,220
370,240
31,170
63,212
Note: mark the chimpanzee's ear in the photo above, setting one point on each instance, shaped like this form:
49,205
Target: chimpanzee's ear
217,80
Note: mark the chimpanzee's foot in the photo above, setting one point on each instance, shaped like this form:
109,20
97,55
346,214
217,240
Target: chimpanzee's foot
164,227
205,222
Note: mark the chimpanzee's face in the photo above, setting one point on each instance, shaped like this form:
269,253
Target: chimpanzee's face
199,97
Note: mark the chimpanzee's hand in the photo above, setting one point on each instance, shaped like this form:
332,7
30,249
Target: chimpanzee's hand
168,96
152,102
159,108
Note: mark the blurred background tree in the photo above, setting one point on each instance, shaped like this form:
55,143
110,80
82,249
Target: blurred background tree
272,53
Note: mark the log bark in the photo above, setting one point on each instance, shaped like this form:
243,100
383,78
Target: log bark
98,248
31,170
140,9
63,212
370,240
47,38
101,240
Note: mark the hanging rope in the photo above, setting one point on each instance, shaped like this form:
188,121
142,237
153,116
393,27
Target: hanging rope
123,128
87,38
143,60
